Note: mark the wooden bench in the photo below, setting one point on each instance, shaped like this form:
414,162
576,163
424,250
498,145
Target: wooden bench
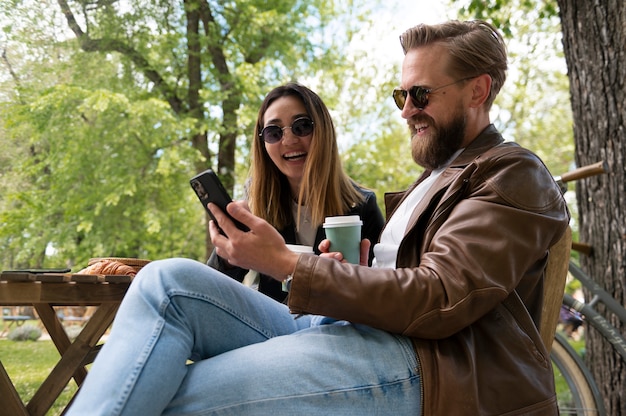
13,320
554,286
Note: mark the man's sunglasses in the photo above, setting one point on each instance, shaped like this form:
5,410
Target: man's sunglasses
300,127
419,95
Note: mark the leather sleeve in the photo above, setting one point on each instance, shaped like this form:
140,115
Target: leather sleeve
485,236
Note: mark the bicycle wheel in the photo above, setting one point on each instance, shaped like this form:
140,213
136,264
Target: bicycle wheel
577,392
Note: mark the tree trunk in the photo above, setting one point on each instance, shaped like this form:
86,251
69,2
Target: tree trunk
594,35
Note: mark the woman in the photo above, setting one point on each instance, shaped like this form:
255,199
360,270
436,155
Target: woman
296,177
150,366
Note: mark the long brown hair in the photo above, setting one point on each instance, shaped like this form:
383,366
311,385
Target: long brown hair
325,188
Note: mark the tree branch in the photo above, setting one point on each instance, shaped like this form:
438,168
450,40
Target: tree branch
12,72
193,60
217,54
112,45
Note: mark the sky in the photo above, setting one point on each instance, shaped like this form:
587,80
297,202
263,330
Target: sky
397,16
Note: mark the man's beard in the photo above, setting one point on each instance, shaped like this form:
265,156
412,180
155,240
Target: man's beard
437,147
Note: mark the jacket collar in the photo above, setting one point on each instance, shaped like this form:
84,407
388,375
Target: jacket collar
448,184
487,139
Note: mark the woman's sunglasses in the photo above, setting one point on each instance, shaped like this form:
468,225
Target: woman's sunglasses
300,127
419,95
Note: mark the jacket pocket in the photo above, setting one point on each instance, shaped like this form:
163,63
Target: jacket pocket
518,324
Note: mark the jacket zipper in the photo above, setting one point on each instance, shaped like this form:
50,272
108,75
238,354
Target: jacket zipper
419,369
449,202
444,208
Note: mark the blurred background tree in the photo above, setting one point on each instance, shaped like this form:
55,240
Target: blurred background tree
109,107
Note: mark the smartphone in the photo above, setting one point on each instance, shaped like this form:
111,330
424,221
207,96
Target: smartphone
39,271
209,188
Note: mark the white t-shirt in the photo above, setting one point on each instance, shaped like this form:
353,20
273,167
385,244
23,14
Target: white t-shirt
386,251
306,234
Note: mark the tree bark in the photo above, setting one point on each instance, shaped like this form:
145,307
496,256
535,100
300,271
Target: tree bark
196,110
594,35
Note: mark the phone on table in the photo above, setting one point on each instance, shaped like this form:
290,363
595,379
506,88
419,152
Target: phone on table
209,188
40,271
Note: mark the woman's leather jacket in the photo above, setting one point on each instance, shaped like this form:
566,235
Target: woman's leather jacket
468,284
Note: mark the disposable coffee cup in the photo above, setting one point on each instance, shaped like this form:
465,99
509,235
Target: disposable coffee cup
344,233
296,248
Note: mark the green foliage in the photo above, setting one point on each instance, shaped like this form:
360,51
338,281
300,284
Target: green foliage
107,119
102,127
25,332
383,163
502,12
533,108
113,183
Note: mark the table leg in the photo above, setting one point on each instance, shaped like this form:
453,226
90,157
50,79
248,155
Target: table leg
58,335
73,355
12,405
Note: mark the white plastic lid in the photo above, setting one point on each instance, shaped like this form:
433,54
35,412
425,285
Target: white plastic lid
342,221
296,248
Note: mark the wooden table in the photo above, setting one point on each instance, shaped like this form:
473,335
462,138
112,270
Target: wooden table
43,292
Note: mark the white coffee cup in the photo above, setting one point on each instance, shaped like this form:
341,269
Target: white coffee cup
297,248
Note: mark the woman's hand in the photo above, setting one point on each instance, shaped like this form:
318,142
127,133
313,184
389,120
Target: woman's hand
262,248
324,246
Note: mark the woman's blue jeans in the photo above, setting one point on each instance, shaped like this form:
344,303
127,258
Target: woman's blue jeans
188,340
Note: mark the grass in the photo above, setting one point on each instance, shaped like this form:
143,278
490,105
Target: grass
28,363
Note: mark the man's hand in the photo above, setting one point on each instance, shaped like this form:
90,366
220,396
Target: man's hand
262,248
324,246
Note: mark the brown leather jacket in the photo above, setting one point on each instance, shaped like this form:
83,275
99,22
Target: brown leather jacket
468,283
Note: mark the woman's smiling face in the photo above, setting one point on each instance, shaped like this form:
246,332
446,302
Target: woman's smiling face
288,154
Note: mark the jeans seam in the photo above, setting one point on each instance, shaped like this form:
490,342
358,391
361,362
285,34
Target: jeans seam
213,301
205,412
141,360
408,351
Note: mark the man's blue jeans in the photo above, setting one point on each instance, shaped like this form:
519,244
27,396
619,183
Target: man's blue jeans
188,340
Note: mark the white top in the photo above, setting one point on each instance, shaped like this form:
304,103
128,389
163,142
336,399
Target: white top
386,251
305,235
